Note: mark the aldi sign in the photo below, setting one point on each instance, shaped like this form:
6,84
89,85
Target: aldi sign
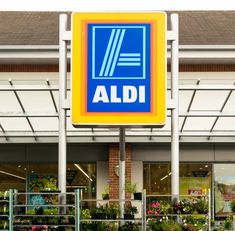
118,69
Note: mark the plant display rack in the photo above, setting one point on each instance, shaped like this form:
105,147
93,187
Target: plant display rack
77,213
188,212
45,215
5,210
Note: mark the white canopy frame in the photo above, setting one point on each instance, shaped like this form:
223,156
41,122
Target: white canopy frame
88,135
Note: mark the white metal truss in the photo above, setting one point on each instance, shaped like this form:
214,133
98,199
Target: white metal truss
112,135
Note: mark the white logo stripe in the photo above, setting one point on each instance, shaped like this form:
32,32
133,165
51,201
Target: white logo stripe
107,52
117,52
129,59
112,52
129,54
128,64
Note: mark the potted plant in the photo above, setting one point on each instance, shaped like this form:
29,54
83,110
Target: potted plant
132,188
194,223
98,212
71,217
30,213
158,207
85,214
184,206
130,211
112,211
228,223
163,224
202,205
105,194
129,226
232,205
4,195
4,225
48,218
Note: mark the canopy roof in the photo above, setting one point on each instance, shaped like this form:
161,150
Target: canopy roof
29,111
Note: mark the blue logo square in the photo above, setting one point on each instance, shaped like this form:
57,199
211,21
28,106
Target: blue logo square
118,68
118,52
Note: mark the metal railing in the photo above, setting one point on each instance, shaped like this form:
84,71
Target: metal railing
5,210
93,220
44,211
182,210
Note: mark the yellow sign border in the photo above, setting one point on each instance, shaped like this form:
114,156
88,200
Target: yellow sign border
79,116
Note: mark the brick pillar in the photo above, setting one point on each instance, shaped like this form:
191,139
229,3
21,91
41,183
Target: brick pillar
113,162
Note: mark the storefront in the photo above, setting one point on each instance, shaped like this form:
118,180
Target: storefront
29,118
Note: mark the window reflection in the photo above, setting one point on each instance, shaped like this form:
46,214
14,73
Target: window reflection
157,178
13,176
224,188
195,178
19,176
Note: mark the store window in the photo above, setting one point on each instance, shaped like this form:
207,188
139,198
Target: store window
224,188
82,176
195,179
157,179
13,176
38,177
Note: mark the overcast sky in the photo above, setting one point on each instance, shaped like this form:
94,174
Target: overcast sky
110,5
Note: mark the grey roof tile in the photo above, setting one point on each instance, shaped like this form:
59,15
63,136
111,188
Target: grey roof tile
42,28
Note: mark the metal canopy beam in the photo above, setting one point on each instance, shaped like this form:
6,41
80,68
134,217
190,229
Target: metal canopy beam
22,108
222,108
109,140
49,53
205,87
202,113
4,132
52,96
189,107
128,134
28,88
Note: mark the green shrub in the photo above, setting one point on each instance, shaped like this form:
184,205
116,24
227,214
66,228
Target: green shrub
232,205
228,223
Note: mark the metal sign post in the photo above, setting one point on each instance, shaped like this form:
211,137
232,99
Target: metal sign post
173,36
62,158
122,171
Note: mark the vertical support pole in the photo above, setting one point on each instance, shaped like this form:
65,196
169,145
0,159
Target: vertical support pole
15,199
144,210
175,110
122,173
77,209
62,111
11,210
213,194
209,210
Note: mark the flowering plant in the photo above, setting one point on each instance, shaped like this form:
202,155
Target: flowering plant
163,224
194,223
158,207
154,209
184,206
